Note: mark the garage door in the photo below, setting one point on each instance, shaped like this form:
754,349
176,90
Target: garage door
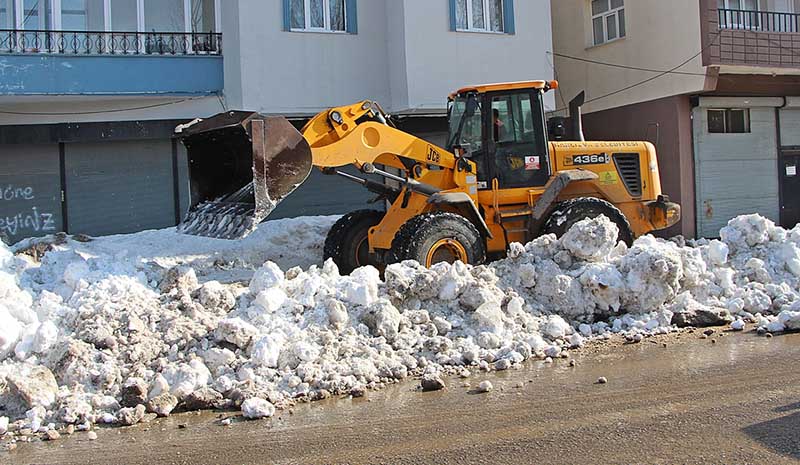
119,187
788,166
736,168
30,196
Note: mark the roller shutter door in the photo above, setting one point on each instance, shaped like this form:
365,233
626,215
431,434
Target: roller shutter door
735,173
30,191
119,187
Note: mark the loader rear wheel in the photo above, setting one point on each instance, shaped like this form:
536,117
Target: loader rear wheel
347,242
569,212
438,237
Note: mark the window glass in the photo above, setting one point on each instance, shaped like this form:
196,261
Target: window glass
123,15
599,6
298,14
496,15
471,132
163,16
616,4
317,11
611,27
7,14
461,14
30,14
478,21
597,26
337,15
82,15
737,121
621,20
203,16
716,121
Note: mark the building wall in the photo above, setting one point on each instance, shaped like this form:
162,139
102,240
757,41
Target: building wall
667,124
306,72
660,35
439,61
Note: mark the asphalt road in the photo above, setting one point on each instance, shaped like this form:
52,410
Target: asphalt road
693,401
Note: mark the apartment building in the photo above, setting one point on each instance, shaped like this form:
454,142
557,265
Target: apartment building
90,90
714,84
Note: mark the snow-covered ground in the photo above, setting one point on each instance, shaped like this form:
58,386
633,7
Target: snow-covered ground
107,330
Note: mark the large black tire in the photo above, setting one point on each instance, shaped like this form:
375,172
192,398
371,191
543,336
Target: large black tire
347,242
439,236
567,213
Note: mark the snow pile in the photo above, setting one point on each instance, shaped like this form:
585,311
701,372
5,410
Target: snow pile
104,337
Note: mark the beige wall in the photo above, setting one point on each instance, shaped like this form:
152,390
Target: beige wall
660,35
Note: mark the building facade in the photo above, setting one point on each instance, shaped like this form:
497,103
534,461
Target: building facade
712,83
90,90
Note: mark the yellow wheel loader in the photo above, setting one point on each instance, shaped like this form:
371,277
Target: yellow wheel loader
498,180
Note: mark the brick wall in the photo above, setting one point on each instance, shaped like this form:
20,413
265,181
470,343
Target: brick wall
723,46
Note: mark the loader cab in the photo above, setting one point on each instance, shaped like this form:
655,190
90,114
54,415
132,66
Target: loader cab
502,129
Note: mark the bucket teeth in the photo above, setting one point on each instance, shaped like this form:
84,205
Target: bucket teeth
220,220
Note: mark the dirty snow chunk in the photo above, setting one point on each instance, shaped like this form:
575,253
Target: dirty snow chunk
270,300
216,358
184,378
738,325
269,275
747,230
383,319
718,252
255,408
432,382
362,286
236,331
131,415
556,327
214,295
790,319
3,425
485,386
35,385
591,239
163,404
266,350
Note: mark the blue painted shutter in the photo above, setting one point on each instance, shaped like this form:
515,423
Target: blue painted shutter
287,16
508,17
351,10
453,15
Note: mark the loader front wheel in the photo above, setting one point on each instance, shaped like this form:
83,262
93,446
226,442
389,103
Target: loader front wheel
567,213
348,240
438,237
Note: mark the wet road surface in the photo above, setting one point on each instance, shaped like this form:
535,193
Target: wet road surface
733,401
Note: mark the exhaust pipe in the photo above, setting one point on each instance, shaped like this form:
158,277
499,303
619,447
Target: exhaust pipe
575,117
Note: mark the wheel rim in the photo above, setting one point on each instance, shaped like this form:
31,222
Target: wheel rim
362,252
446,250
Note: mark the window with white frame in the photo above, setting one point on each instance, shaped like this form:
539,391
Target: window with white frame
480,15
728,120
608,20
318,15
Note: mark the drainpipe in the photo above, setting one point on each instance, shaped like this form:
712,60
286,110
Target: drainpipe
779,144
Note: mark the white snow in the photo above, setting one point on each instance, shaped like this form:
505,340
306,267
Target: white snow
180,314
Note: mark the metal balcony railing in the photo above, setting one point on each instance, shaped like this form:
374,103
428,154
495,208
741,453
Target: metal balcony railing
109,43
761,21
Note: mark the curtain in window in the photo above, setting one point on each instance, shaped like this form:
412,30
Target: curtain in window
496,15
123,15
461,14
478,21
203,16
298,14
7,14
337,15
317,13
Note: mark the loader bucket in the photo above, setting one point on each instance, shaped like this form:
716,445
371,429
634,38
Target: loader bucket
241,166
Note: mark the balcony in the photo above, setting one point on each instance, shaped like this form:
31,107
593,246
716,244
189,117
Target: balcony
83,47
749,38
